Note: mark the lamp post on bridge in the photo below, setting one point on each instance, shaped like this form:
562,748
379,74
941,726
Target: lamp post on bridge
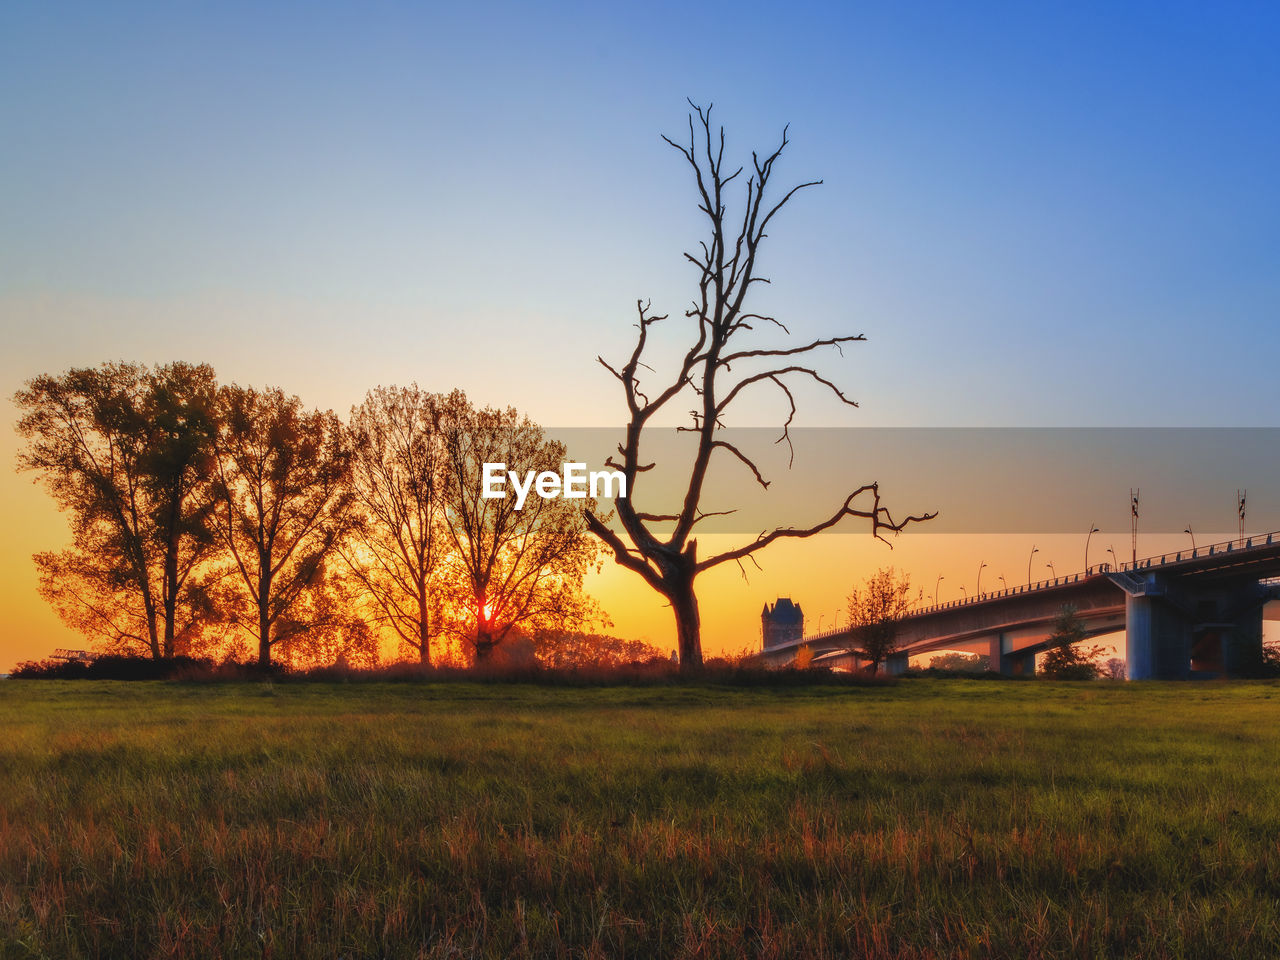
978,589
1052,570
1034,551
1092,530
1005,582
935,588
1193,538
963,592
1114,558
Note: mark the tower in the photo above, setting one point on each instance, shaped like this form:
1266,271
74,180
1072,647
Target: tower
782,622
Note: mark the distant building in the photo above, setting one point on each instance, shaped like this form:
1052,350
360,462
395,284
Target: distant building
782,622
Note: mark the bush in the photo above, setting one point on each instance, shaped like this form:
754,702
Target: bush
108,667
1065,660
729,671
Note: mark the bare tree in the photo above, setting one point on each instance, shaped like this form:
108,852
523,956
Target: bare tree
282,483
511,566
874,611
1115,668
718,367
127,451
399,537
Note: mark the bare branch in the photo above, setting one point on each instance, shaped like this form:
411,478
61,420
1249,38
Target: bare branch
775,374
620,551
880,517
726,445
792,351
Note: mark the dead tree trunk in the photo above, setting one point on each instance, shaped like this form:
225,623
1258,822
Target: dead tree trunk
684,603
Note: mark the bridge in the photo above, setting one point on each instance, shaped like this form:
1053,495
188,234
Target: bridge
1193,613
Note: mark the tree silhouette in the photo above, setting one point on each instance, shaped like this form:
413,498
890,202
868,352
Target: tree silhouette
511,567
717,368
127,451
284,501
1066,659
399,537
874,611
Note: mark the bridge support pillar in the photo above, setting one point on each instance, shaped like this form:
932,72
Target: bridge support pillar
1242,644
1179,630
1159,640
895,665
1010,662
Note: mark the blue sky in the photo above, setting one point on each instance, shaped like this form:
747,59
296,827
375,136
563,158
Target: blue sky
1038,213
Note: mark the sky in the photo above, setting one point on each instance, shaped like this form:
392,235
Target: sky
1040,215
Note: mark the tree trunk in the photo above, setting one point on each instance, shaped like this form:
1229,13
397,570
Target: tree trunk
264,614
484,647
153,633
170,611
424,631
684,604
264,638
153,638
170,591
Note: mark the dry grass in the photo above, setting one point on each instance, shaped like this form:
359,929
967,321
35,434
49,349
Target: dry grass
929,819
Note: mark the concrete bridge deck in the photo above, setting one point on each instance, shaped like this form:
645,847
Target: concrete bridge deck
1191,612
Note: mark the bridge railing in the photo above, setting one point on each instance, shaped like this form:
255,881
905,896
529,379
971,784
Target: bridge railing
1146,563
1213,549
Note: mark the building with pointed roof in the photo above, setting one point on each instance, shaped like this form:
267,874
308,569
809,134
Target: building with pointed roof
782,622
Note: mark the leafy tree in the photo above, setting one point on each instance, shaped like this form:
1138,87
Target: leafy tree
511,567
321,629
1066,659
1115,669
719,366
399,536
961,662
284,502
577,648
874,611
127,451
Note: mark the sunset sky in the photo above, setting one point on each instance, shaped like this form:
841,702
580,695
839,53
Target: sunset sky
1041,215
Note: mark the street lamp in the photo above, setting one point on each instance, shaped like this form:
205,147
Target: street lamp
963,592
978,589
1114,558
1052,570
1192,536
1092,531
935,588
1005,582
1034,551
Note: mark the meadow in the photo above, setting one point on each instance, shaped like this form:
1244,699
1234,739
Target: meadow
926,818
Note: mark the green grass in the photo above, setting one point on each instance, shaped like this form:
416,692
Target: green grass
930,818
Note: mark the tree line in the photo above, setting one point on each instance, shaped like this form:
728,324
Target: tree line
201,511
211,519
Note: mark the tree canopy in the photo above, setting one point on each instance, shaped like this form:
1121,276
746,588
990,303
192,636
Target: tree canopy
211,519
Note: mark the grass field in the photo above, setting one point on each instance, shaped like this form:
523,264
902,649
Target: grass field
928,818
